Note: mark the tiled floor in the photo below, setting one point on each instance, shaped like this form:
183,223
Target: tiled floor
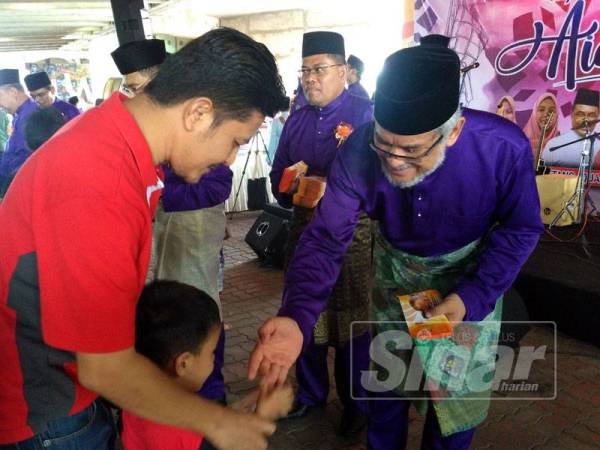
571,421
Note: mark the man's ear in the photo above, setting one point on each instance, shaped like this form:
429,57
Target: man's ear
455,133
52,89
198,113
182,363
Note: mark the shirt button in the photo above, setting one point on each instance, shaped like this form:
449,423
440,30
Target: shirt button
320,118
418,214
420,198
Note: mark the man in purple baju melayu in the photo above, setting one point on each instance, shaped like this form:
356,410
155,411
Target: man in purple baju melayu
454,194
44,94
355,70
15,102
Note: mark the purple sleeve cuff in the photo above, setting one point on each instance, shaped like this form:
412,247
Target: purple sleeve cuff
319,254
212,189
476,305
302,319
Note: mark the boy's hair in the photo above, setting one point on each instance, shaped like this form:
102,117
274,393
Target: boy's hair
41,126
237,73
173,318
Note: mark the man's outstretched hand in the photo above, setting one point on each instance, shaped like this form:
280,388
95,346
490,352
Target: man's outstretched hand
278,346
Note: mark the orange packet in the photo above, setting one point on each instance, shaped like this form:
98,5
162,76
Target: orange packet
313,187
291,174
309,193
305,202
420,327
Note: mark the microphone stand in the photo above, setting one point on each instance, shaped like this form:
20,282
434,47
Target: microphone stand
577,200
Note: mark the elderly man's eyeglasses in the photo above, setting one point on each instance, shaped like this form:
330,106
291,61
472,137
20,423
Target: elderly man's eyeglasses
319,71
131,90
411,154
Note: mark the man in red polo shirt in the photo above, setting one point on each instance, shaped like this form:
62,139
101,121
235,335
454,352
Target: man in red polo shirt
76,231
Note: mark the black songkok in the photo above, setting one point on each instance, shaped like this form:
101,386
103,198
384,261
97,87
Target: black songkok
357,63
418,88
586,97
320,42
9,76
139,55
438,40
38,80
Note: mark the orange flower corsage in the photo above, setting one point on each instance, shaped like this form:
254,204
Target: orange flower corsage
342,131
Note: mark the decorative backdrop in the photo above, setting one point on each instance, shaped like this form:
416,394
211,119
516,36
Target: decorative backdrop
524,48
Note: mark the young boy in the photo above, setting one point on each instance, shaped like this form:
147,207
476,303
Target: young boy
178,327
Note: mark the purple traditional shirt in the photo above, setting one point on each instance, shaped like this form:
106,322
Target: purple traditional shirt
67,110
212,189
16,150
358,90
484,189
309,135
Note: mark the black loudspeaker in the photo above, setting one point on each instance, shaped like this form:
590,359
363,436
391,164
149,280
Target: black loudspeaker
268,237
279,211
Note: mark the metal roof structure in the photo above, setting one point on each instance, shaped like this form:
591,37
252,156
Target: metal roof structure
28,25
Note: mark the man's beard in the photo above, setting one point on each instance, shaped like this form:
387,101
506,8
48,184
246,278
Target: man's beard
414,181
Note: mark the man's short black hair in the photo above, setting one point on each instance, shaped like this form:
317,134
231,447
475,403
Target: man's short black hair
338,59
173,318
41,126
237,73
356,63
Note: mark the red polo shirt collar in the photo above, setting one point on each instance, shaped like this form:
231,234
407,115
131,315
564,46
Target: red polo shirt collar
115,110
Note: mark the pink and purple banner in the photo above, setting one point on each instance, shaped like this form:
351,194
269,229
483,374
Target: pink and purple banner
524,49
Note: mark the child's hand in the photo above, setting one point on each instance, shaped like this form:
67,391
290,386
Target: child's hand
246,404
274,403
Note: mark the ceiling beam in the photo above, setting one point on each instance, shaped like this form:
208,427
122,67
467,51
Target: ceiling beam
59,4
43,24
9,49
58,25
50,14
47,40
